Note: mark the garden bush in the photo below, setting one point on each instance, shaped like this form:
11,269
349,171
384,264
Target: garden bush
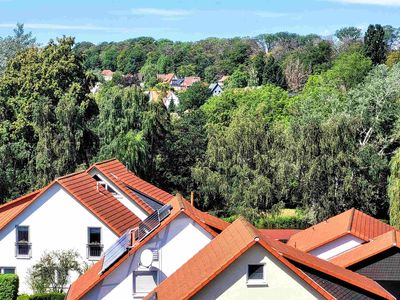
9,284
47,296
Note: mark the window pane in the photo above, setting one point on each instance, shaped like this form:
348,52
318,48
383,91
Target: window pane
256,272
23,249
8,270
145,282
94,235
23,234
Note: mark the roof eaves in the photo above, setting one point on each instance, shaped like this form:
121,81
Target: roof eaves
217,272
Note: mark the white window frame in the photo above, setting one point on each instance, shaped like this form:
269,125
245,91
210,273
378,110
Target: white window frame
17,243
89,257
257,282
140,295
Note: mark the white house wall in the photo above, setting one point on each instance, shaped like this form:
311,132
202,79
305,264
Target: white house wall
127,202
56,221
282,283
337,247
177,243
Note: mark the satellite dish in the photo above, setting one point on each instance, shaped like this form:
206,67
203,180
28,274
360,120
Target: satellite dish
146,258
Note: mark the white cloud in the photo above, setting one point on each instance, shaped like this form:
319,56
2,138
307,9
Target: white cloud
157,12
84,27
371,2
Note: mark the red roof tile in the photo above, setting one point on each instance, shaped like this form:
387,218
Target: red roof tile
231,244
279,234
92,277
100,202
9,211
377,245
188,81
352,222
116,168
107,73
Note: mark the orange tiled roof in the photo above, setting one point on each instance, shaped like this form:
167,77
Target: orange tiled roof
115,171
99,201
188,81
379,244
352,222
107,73
231,244
92,276
125,176
279,234
166,78
9,211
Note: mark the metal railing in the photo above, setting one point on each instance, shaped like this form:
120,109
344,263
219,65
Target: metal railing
94,250
23,250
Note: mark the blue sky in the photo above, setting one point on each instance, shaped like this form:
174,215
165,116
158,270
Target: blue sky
186,20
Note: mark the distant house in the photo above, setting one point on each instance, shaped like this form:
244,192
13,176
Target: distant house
168,99
166,78
215,89
176,84
189,81
222,80
107,74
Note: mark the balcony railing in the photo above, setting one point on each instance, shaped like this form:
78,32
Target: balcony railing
94,251
23,250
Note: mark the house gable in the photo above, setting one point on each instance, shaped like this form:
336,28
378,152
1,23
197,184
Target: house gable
56,221
174,249
280,280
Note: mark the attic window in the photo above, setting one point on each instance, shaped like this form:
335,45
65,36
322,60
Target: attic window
144,282
256,274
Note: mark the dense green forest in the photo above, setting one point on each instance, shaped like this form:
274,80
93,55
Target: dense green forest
304,121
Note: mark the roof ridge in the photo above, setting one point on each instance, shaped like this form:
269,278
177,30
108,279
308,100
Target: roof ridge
69,175
19,199
100,163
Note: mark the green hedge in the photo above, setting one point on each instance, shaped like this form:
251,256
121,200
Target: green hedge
9,284
285,222
47,296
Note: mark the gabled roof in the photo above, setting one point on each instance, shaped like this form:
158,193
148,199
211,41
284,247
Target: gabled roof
95,198
99,201
215,257
92,276
188,81
9,211
279,234
166,78
378,245
352,222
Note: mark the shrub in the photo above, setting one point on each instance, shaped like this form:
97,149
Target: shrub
23,297
47,296
9,284
282,222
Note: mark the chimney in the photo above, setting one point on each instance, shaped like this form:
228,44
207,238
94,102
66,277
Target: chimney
192,198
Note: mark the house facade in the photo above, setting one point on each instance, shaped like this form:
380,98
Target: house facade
174,241
216,89
86,212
